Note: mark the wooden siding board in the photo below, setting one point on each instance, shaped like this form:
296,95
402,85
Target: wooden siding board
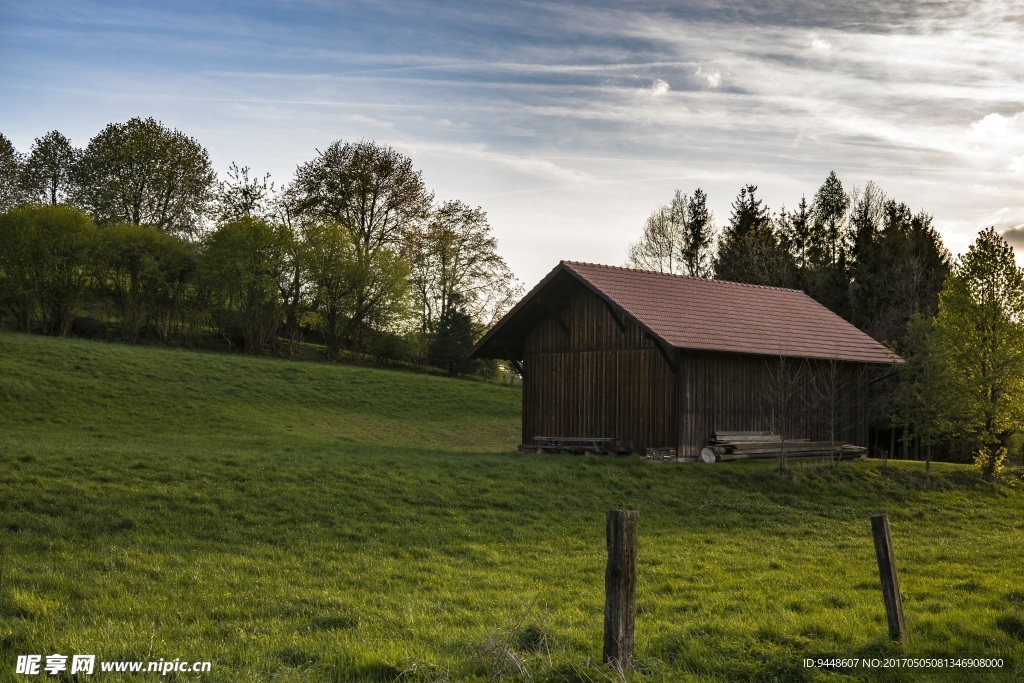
597,381
602,381
726,391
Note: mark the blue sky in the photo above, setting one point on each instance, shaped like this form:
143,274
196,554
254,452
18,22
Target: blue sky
567,122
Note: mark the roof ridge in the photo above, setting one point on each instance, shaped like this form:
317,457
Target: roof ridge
684,277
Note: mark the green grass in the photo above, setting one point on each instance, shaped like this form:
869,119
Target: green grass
298,521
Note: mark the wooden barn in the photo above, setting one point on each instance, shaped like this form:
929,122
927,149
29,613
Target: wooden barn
644,360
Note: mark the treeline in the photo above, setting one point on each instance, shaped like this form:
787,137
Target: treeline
135,236
871,259
866,256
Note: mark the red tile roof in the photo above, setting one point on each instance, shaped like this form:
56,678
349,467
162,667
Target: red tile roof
714,315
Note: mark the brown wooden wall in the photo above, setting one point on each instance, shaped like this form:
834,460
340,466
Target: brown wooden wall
740,392
591,378
597,380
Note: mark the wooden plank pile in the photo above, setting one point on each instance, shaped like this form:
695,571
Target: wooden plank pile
727,446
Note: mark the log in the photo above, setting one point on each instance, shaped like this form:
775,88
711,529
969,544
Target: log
707,454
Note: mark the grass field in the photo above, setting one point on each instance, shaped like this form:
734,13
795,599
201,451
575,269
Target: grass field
308,522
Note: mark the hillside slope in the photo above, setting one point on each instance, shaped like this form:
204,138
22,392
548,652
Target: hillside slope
295,521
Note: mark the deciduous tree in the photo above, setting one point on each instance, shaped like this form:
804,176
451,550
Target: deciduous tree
241,196
979,343
11,185
370,189
139,273
243,262
45,265
351,290
677,238
48,171
144,173
454,254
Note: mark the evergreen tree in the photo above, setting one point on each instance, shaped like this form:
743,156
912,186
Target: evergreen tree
829,214
678,237
897,270
698,236
750,249
795,229
455,336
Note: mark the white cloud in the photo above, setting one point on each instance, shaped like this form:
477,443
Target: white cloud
658,87
820,45
1001,139
534,166
713,79
991,130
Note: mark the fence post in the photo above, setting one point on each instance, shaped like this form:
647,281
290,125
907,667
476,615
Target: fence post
890,579
620,588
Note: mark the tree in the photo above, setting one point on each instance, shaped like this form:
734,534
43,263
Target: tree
865,266
454,255
48,172
240,196
351,290
243,263
139,273
780,387
19,258
659,246
370,189
978,340
11,186
44,265
795,229
897,270
828,213
915,403
831,380
750,249
143,173
698,236
455,336
678,237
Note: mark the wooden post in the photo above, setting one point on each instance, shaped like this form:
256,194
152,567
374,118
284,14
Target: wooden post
890,579
620,588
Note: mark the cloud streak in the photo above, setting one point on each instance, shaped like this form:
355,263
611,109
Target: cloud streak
550,104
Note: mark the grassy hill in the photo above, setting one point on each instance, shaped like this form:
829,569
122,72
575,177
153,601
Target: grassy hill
298,521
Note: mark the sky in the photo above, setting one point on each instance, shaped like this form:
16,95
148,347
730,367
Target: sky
567,122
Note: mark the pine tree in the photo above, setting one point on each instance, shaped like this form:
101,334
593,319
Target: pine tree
749,249
829,214
455,336
698,236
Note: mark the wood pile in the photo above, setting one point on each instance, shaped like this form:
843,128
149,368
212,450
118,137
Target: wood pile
728,446
661,454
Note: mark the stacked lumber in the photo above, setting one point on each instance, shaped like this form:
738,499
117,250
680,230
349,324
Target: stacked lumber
728,446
